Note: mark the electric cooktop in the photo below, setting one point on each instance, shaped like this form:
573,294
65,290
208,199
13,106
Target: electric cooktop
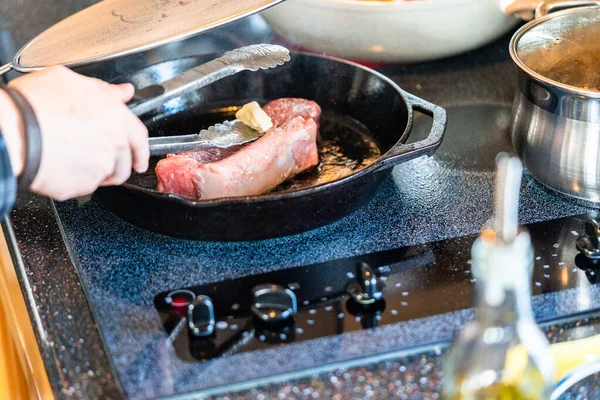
179,316
294,306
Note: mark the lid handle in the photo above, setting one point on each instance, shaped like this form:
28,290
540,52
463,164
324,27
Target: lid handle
529,9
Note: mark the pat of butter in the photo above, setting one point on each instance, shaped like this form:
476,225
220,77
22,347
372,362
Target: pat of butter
252,115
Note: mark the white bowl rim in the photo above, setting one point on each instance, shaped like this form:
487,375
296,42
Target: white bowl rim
365,5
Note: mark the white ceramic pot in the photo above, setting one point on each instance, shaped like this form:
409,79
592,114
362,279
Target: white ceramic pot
396,31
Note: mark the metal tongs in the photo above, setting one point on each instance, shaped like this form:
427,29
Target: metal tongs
227,134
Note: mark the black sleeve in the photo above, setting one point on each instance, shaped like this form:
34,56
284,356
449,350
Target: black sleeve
8,182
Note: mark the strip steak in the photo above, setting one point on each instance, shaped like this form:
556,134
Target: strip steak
287,149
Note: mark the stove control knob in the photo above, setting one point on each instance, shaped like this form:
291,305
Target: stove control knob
179,300
273,303
367,288
201,317
589,243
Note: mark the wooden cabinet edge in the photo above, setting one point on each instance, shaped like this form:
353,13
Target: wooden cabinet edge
20,330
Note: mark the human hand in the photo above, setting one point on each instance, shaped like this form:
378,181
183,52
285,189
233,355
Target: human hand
90,138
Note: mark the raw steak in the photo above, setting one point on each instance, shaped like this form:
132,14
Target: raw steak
284,151
281,110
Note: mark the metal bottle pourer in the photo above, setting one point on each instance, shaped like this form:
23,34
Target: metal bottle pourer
501,250
508,185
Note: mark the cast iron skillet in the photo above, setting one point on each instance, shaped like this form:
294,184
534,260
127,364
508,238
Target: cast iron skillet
366,118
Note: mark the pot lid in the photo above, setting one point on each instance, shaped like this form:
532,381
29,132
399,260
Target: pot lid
562,48
114,28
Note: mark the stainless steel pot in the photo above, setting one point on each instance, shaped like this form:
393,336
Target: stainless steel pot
555,125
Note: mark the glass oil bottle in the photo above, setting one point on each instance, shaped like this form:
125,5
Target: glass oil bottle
502,355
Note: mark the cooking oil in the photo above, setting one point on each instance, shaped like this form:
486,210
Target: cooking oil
531,386
495,392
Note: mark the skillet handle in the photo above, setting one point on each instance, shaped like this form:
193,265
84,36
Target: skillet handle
401,152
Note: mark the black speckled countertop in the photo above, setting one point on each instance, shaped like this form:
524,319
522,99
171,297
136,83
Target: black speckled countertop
89,278
414,375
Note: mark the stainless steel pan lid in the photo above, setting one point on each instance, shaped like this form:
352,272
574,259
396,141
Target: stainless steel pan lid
562,49
114,28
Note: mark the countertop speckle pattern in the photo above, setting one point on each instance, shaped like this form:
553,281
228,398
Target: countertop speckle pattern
68,337
415,377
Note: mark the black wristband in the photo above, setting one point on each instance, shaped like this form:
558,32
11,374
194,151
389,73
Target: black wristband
33,139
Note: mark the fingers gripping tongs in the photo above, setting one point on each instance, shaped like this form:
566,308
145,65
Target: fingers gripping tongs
250,58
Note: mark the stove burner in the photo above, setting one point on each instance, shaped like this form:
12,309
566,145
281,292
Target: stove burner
201,317
367,288
589,243
273,303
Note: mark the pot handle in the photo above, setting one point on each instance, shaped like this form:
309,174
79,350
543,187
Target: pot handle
529,9
524,9
550,6
401,152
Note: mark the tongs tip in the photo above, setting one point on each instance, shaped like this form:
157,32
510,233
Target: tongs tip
259,56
